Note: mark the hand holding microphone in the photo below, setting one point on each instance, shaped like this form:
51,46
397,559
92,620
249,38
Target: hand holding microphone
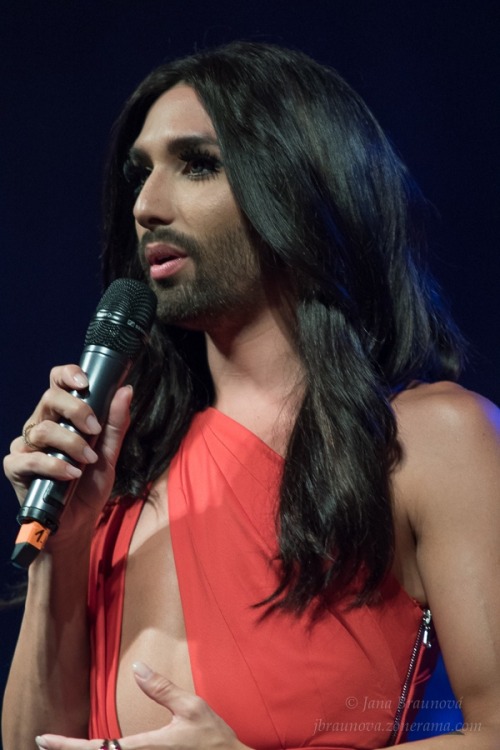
67,420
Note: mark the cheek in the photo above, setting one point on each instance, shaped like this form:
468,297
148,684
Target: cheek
217,213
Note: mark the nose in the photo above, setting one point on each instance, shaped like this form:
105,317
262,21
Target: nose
154,205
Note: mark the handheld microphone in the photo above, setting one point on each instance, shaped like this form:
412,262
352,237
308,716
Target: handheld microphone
115,337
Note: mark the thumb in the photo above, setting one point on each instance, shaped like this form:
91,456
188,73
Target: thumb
117,424
163,691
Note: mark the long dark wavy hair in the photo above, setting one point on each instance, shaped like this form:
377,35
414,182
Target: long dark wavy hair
335,208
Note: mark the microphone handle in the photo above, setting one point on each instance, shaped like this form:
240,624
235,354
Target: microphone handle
46,499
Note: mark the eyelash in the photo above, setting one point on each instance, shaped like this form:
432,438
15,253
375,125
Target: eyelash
137,174
211,163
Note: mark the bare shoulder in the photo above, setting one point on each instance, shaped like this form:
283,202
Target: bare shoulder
450,439
442,419
444,405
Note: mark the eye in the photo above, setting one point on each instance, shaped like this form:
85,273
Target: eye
135,175
200,165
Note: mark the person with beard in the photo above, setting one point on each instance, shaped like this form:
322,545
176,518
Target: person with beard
300,491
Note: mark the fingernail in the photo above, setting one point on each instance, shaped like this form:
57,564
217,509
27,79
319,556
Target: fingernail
81,381
90,455
93,424
41,742
73,471
142,670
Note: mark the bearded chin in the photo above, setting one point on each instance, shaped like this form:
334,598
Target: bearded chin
195,304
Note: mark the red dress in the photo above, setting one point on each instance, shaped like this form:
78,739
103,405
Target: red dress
278,682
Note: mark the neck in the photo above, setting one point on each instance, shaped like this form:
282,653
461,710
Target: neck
257,374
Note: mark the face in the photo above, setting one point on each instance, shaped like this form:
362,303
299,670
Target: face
193,243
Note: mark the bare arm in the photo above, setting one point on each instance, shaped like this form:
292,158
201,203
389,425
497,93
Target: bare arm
48,681
48,685
452,486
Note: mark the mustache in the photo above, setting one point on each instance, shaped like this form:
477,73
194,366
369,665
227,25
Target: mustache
171,237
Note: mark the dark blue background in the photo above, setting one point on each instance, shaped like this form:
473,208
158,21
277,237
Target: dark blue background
429,70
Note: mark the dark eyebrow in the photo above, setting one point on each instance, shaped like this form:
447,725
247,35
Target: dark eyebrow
176,146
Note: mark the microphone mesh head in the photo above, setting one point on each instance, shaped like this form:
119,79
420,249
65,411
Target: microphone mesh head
123,317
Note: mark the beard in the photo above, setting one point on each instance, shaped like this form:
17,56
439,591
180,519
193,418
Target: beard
225,287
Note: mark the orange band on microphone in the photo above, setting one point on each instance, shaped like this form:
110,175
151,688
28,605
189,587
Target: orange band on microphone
33,533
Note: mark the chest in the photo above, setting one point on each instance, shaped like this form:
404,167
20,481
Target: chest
153,628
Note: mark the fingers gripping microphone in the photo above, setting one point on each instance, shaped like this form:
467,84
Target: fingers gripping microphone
114,339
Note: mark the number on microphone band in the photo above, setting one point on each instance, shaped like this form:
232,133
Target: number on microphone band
33,533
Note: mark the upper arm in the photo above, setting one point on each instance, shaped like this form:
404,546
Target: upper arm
456,521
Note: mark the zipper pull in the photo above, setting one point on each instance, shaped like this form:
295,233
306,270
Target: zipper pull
426,623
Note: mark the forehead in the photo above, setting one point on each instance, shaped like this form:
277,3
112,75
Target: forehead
176,112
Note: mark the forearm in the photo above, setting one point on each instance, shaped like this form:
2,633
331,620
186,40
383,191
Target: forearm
48,685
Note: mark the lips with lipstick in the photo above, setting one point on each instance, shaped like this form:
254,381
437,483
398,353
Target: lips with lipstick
164,260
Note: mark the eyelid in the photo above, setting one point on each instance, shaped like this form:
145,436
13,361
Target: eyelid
137,169
197,152
213,163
